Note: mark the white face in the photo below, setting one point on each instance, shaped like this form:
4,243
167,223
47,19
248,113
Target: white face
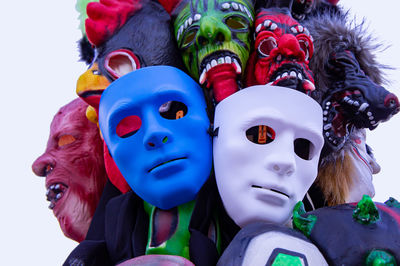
266,152
364,166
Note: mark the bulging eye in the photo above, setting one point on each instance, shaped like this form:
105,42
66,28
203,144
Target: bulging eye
303,148
65,140
173,110
260,134
307,49
265,47
189,37
128,126
236,23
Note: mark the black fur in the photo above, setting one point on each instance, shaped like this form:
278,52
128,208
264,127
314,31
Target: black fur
86,51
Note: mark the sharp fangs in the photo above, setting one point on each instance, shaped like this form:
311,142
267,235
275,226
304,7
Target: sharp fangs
237,66
285,74
202,78
293,74
300,76
363,107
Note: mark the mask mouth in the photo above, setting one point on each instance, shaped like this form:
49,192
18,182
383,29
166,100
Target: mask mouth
279,191
166,162
55,192
292,76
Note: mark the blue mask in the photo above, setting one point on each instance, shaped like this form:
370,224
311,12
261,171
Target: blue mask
155,124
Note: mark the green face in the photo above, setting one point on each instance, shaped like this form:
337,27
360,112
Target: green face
208,30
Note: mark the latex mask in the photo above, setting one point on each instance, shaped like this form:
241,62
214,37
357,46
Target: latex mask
73,188
261,244
283,48
364,166
214,40
155,124
266,152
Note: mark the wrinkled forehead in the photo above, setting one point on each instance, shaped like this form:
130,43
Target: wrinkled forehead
150,85
273,105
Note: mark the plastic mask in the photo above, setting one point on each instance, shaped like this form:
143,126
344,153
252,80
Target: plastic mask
266,152
154,123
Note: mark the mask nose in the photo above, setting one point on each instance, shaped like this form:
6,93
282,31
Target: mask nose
212,31
43,165
289,47
156,137
281,164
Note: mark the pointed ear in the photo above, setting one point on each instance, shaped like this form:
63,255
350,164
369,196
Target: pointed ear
121,62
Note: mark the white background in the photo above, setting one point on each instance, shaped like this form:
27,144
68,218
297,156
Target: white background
39,68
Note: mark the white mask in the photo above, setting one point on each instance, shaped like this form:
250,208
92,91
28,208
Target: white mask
364,166
263,182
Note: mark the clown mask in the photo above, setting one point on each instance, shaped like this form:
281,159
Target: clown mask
213,36
283,48
155,124
266,155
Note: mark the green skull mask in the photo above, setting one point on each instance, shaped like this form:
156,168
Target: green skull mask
213,32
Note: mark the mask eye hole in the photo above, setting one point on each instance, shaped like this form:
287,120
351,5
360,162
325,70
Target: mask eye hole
303,148
265,47
260,134
128,126
173,110
189,37
304,45
236,23
65,140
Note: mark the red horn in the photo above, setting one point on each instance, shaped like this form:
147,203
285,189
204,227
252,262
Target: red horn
106,17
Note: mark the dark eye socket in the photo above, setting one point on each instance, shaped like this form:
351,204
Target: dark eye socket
173,110
189,36
128,126
265,47
303,148
260,134
236,23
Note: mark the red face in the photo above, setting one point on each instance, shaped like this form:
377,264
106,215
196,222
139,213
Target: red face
74,169
282,50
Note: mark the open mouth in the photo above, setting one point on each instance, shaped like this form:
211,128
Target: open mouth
166,162
55,192
218,58
272,189
292,76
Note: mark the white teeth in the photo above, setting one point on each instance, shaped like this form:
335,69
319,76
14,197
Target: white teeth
208,67
258,28
325,118
293,74
241,8
351,102
306,32
327,134
267,23
325,112
238,68
59,195
52,186
57,186
202,78
186,24
300,76
369,113
273,26
248,13
190,21
363,107
221,60
356,103
226,6
47,192
235,6
371,118
327,126
197,17
228,60
213,63
373,123
285,74
294,30
278,77
301,29
328,103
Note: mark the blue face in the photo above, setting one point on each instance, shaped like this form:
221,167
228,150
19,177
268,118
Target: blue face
155,124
